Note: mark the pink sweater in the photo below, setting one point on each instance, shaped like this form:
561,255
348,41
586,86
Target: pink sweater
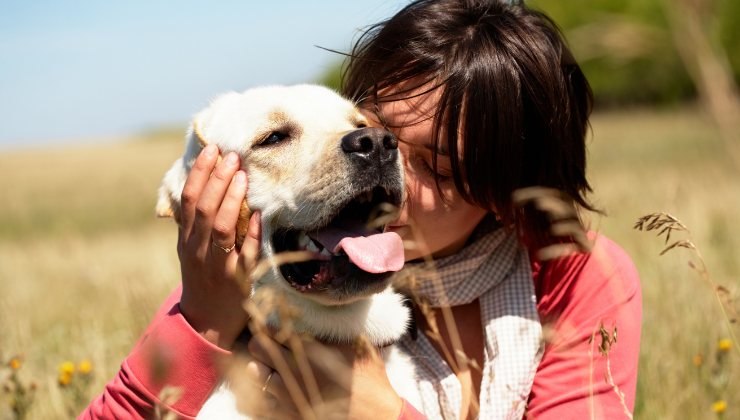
576,295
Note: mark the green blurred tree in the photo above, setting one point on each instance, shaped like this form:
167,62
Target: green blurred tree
627,48
654,52
333,77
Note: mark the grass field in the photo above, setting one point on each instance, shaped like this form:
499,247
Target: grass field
84,263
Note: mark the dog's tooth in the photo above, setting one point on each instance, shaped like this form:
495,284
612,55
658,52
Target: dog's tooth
325,252
303,240
311,246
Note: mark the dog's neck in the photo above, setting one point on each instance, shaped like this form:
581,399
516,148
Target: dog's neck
382,318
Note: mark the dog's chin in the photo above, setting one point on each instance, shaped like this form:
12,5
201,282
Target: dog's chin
331,277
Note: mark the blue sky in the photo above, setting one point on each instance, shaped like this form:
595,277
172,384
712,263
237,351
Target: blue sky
76,70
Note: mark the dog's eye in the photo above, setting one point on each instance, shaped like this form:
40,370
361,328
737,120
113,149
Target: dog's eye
274,138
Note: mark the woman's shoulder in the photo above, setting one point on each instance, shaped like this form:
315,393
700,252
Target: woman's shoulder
604,276
579,297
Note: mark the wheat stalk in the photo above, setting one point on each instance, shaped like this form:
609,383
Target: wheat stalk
666,224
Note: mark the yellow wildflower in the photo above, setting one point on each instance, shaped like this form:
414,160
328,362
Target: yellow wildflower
67,368
85,367
15,363
698,359
719,406
724,344
64,378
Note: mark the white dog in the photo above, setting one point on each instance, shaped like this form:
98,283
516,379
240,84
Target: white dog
316,173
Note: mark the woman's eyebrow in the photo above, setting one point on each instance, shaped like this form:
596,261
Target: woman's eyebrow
442,150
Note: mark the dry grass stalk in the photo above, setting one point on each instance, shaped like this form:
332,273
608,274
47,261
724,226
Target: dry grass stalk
166,398
565,221
608,340
262,304
460,363
666,224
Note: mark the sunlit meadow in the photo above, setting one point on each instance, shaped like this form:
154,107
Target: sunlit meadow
84,263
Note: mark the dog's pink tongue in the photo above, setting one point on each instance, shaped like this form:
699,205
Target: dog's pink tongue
376,253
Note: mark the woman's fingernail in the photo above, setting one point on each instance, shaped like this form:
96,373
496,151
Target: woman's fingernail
231,158
210,150
240,178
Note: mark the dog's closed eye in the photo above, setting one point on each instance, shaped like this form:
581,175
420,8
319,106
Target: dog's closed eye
273,138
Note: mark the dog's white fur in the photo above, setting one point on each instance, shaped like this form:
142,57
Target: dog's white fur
297,183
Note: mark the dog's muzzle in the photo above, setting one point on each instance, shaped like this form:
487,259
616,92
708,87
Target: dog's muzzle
354,254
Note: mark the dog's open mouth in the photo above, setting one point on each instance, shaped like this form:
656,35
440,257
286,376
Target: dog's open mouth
352,245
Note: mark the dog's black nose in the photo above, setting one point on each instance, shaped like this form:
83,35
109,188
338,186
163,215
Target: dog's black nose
371,144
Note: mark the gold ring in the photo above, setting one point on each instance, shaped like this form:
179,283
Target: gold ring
225,250
267,381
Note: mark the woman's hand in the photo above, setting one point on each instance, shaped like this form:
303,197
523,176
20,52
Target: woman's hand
308,379
211,296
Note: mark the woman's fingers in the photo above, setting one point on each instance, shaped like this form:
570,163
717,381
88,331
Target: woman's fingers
289,387
199,175
212,197
224,224
267,380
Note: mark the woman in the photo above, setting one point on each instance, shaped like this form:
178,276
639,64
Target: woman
485,99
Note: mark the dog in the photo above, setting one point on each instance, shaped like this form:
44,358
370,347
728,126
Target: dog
317,173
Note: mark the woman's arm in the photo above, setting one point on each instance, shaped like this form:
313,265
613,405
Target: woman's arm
170,353
199,321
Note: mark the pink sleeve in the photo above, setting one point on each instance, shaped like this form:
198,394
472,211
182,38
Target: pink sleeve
408,412
576,296
169,353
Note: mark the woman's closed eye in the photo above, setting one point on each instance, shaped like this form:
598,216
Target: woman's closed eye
426,167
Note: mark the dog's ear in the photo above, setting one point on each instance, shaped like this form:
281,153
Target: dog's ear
196,138
164,206
168,203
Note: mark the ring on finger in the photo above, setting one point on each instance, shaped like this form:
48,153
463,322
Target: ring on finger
225,250
267,381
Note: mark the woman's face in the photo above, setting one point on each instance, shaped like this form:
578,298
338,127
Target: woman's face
428,224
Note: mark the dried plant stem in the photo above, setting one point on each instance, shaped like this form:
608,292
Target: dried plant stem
258,314
167,398
312,386
666,224
608,340
459,361
620,394
704,274
290,381
591,402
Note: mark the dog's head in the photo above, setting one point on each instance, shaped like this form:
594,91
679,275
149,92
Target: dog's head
318,175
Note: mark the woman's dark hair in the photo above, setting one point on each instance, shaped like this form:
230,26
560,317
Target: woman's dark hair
510,88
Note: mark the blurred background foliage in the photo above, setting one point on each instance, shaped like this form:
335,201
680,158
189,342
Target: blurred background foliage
627,49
